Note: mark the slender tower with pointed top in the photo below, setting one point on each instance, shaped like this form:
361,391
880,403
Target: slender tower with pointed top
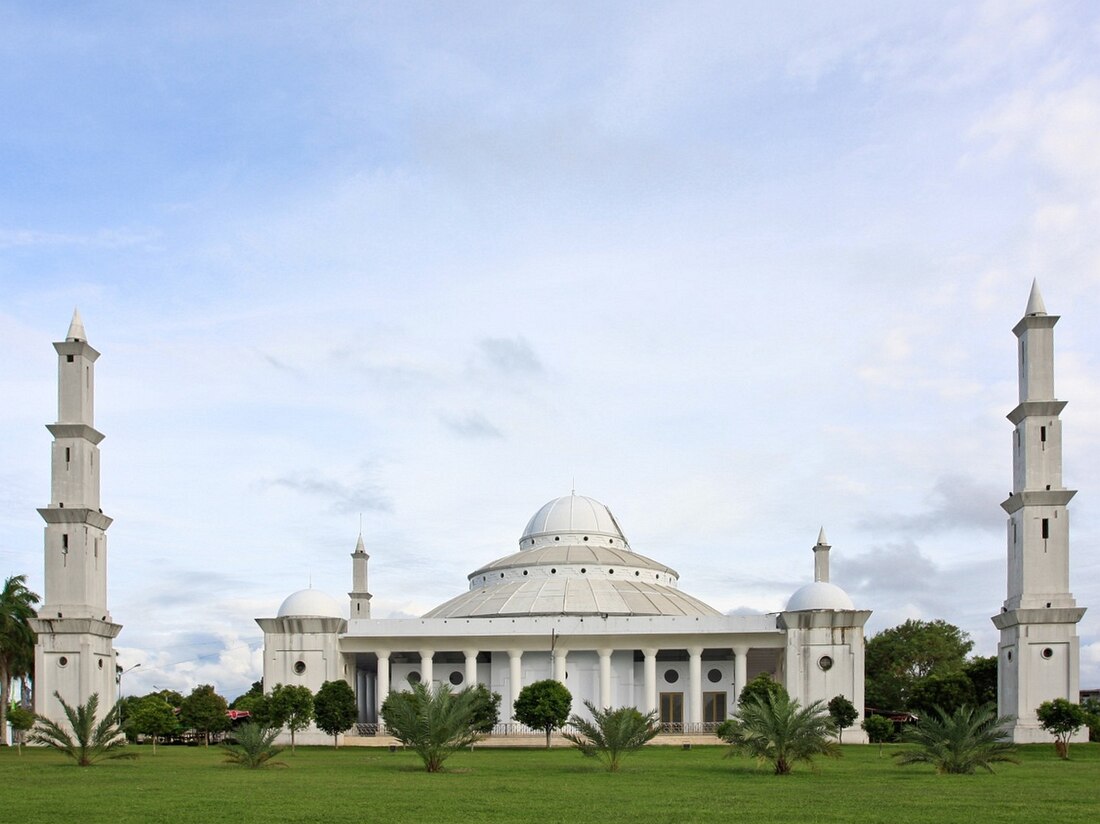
75,654
360,598
1038,658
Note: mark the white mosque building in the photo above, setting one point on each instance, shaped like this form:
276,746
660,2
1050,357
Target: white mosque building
575,602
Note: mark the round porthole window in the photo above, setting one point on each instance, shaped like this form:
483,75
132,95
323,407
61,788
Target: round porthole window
583,570
414,677
456,678
586,537
502,575
825,662
557,537
63,661
553,571
1010,655
101,664
611,572
299,667
714,676
1048,652
672,676
525,572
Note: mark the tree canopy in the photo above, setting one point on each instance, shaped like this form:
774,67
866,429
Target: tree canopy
612,733
843,713
761,688
335,709
544,705
897,659
486,709
204,711
16,638
1061,718
291,707
153,716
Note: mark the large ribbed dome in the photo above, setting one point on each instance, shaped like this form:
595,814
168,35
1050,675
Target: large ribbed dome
573,560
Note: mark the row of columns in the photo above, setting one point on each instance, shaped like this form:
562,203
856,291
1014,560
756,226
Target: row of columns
515,673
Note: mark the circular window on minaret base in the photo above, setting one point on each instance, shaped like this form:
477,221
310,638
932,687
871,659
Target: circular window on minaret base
825,662
63,661
299,667
1048,652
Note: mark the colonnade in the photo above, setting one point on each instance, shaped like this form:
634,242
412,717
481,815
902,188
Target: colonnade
560,657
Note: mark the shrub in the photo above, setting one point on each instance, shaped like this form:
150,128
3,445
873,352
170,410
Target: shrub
89,741
778,730
612,734
253,747
958,743
432,723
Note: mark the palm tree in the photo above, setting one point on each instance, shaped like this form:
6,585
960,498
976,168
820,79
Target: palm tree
89,741
959,742
16,638
775,729
253,746
432,723
612,734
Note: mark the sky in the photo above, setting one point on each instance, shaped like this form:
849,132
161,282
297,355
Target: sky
737,270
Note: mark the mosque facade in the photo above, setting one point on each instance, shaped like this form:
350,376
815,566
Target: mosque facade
575,602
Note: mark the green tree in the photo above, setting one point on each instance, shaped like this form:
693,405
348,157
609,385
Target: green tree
89,741
16,639
335,709
487,709
896,659
153,716
21,720
257,689
958,743
291,707
544,705
253,746
432,723
204,711
612,734
1092,714
947,692
259,708
777,730
1061,718
982,672
760,688
843,713
879,729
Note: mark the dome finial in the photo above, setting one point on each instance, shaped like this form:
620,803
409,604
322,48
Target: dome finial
821,539
1035,304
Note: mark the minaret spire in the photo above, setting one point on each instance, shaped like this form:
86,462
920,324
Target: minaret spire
360,597
75,654
1038,658
1035,305
821,558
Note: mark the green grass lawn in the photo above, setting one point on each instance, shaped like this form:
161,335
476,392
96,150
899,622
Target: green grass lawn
659,784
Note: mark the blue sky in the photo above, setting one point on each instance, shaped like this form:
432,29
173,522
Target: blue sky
737,271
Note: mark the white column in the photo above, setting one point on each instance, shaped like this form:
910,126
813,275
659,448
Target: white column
605,678
740,670
559,665
383,683
427,674
515,678
695,685
650,670
471,667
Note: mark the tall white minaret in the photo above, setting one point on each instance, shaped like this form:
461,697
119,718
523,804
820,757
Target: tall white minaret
360,598
821,558
74,654
1038,657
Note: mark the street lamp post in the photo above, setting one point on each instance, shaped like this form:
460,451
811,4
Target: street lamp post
119,672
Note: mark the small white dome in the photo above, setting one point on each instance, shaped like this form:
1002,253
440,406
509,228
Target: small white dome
310,602
575,515
819,595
